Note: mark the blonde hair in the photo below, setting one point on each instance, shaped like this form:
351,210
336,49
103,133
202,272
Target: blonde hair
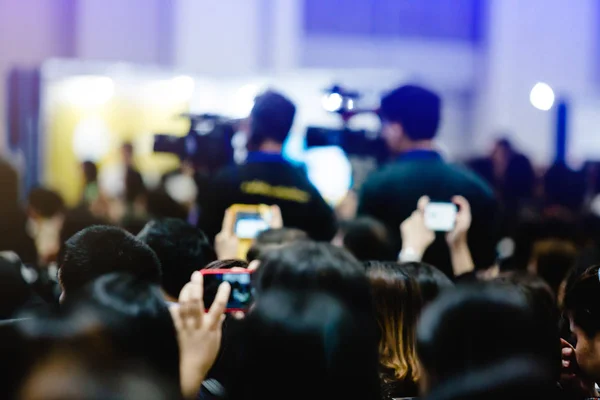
398,303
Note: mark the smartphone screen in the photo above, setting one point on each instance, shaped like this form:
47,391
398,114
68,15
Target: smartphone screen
241,288
440,217
248,225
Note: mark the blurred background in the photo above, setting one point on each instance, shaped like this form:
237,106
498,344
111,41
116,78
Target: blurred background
79,78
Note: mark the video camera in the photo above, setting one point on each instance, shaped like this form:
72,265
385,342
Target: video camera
359,143
207,145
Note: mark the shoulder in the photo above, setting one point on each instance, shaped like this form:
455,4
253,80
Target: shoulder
470,180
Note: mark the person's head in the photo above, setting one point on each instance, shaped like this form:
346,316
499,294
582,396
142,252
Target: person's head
502,151
127,153
44,203
271,119
366,238
274,238
517,377
398,303
90,172
476,326
117,321
582,308
100,250
411,117
538,293
431,280
181,250
309,345
309,265
552,260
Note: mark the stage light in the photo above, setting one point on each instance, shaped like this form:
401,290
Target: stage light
91,139
542,96
89,90
332,102
243,101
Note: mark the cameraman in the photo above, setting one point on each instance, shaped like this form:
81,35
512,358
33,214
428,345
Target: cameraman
267,178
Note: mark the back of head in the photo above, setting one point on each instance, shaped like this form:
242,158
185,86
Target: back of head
181,250
397,301
537,292
473,327
115,322
272,238
304,345
518,378
367,239
553,260
100,250
271,118
581,301
45,203
431,280
303,266
14,291
417,109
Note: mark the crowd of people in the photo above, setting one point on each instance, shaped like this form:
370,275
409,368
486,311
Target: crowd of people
107,300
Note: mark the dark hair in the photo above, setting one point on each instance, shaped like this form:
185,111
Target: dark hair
272,238
538,293
367,239
417,109
518,378
161,205
431,280
271,118
554,259
398,303
117,320
476,326
309,345
581,301
45,202
90,171
100,250
15,292
309,266
181,249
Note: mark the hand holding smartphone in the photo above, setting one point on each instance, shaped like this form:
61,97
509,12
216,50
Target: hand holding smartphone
440,217
240,280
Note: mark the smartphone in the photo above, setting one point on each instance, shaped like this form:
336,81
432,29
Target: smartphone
241,287
440,217
250,220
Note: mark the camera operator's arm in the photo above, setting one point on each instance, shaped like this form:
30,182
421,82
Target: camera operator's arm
462,261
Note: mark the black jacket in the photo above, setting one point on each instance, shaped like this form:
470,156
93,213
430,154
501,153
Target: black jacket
267,179
391,195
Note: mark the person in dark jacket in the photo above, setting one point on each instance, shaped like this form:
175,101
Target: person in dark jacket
267,178
411,116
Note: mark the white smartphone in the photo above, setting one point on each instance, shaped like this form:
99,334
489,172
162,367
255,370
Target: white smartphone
248,225
440,217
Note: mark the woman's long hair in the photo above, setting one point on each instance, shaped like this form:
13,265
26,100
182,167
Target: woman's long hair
398,303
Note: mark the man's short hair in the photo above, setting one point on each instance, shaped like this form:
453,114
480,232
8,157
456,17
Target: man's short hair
417,109
271,118
99,250
181,249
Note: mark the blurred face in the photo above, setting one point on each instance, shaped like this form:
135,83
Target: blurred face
587,352
393,135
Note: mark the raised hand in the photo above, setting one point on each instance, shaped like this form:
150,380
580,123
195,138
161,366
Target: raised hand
458,236
198,332
415,235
